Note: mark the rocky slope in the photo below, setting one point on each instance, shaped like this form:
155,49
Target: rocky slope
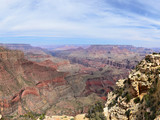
24,82
137,97
95,68
37,87
103,65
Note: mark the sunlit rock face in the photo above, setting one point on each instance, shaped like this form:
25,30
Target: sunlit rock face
28,86
137,97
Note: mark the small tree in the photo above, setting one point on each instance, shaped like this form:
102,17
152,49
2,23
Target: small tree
96,112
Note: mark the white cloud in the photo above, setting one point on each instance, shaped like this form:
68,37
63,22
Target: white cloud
77,18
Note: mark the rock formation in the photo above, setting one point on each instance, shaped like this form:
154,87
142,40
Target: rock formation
102,65
137,97
28,86
39,87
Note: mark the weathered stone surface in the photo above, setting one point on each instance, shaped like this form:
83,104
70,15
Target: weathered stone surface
133,98
35,85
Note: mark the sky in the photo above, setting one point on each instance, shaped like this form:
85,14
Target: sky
49,22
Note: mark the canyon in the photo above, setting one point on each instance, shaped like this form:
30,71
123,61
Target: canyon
58,82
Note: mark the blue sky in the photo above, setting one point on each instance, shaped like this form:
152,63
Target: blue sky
46,22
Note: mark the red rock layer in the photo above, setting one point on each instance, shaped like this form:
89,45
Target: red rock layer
20,78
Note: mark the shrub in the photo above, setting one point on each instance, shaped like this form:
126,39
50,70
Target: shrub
42,117
146,115
119,91
149,100
149,116
154,53
124,81
149,79
129,81
153,108
152,90
147,60
113,103
136,100
96,112
138,75
128,98
127,113
33,116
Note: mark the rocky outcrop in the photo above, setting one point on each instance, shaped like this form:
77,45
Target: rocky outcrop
136,97
28,86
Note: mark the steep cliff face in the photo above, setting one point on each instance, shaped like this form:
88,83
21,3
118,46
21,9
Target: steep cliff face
104,82
39,87
28,86
103,65
137,97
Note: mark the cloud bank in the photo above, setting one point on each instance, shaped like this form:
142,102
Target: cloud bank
130,20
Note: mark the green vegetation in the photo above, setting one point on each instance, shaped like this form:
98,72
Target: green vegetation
124,81
149,79
150,102
138,75
136,100
152,90
119,91
128,98
149,116
129,81
127,113
2,118
113,103
32,116
147,60
96,112
154,53
147,99
146,115
42,116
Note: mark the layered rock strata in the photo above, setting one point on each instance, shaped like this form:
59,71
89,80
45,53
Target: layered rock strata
137,97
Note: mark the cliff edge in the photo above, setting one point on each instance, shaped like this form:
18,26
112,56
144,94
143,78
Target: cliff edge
138,96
